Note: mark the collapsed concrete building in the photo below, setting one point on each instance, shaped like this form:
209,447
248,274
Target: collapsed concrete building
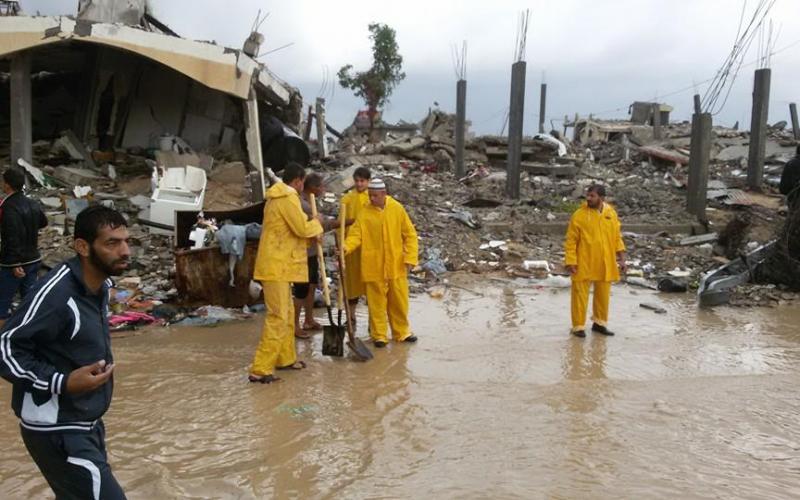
119,91
118,78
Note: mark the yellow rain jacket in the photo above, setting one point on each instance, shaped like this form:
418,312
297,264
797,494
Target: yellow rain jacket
354,202
387,239
593,240
282,248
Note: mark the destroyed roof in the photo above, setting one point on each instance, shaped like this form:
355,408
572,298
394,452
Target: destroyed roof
607,125
224,69
661,105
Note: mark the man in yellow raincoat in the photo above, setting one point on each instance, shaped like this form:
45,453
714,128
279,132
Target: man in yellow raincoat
353,202
388,242
281,260
595,254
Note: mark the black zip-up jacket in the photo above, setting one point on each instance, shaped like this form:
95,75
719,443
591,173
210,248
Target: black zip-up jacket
790,182
22,218
59,327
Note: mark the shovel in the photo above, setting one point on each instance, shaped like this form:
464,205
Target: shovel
359,349
333,333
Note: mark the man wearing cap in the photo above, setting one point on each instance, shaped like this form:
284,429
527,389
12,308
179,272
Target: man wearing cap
388,242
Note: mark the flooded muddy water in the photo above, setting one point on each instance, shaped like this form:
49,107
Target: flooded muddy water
495,401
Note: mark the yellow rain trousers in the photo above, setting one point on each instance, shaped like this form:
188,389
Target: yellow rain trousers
593,241
354,202
388,243
388,299
276,347
281,260
600,301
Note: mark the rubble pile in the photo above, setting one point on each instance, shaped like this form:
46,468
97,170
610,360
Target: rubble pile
469,223
434,146
69,179
464,223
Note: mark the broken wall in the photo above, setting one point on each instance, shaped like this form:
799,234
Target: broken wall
157,107
133,101
167,102
128,12
212,120
113,98
53,103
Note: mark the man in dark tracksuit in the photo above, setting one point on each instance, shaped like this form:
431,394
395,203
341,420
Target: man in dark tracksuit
790,182
56,351
20,221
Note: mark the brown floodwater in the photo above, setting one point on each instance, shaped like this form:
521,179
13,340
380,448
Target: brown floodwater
495,401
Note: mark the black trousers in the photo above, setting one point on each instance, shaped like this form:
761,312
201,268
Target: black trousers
74,464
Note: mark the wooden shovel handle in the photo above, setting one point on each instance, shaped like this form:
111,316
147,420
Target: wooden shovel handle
347,311
326,292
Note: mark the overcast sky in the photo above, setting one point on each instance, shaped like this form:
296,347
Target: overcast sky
596,57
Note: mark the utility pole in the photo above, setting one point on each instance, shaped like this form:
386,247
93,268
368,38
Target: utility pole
700,152
322,144
21,110
758,128
516,113
461,126
657,121
542,106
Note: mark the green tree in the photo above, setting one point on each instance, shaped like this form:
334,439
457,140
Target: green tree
377,83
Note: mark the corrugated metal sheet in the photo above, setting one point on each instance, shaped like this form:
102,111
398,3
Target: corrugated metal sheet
742,198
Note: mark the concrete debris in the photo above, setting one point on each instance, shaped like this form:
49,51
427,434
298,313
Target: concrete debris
699,239
34,172
73,176
189,141
656,309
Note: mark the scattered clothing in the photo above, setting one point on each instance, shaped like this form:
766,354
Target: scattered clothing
232,239
131,318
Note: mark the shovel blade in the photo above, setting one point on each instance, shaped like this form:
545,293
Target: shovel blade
359,349
333,340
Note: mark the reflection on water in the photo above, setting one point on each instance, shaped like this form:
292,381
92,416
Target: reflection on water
509,308
585,362
496,400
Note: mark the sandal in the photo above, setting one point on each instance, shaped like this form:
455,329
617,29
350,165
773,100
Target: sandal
264,379
297,365
301,334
